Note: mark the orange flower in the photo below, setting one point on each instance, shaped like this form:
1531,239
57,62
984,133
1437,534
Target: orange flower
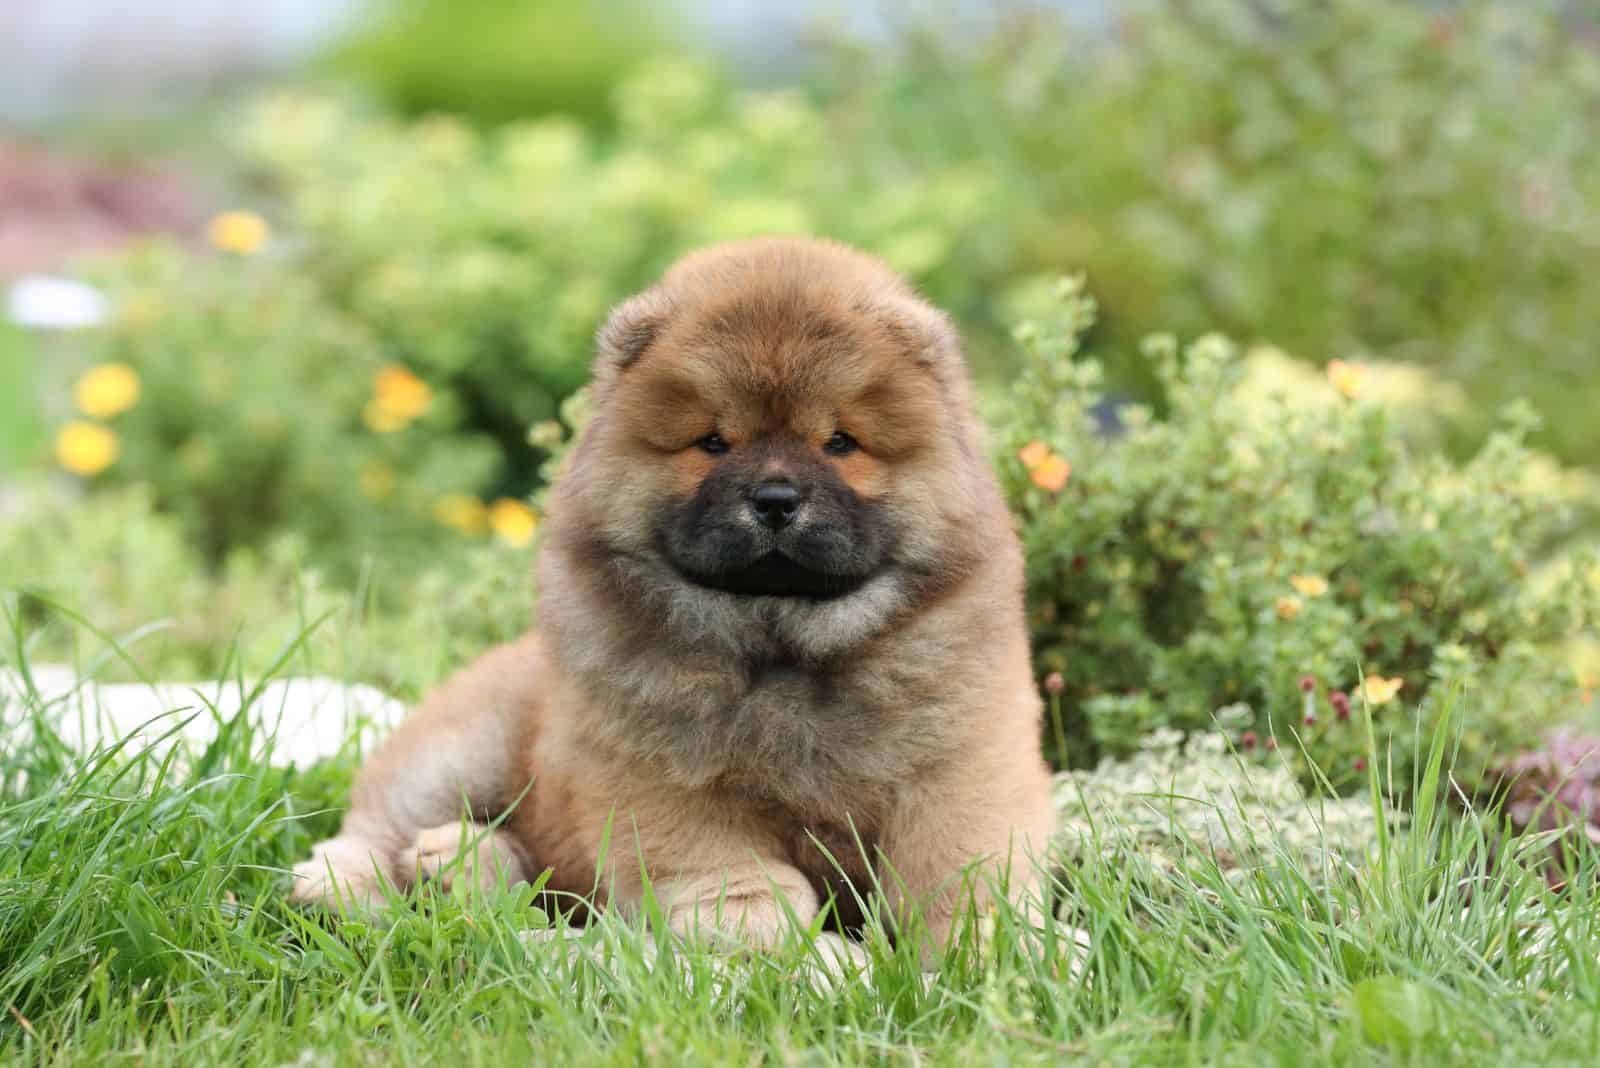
1033,454
398,397
1052,474
1288,607
1047,470
1346,377
1380,691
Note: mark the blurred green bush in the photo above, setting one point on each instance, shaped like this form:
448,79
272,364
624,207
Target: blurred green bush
1279,548
258,409
484,261
21,429
499,60
137,576
1362,179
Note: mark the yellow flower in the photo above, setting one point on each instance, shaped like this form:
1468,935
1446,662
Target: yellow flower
239,232
1378,690
1033,454
1346,377
86,448
1309,585
462,511
1288,607
401,391
512,521
381,420
106,390
377,480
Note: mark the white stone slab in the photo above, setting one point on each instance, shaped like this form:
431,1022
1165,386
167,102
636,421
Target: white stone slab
312,718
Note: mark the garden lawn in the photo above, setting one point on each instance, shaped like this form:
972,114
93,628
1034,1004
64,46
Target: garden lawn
142,922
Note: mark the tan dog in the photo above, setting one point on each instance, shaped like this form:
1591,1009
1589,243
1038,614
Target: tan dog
780,618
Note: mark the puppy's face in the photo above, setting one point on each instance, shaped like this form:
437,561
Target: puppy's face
776,491
781,420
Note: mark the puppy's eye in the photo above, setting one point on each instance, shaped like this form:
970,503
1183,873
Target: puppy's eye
713,444
841,444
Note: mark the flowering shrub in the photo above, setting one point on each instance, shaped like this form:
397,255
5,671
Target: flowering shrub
462,272
237,394
483,262
1359,179
1286,554
138,577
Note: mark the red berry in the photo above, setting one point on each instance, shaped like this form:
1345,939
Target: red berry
1054,684
1307,683
1248,739
1361,763
1272,745
1311,719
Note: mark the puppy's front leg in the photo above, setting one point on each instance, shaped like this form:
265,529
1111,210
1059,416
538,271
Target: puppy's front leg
994,821
471,740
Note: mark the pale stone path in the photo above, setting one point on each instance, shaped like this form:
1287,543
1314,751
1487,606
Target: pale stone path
311,718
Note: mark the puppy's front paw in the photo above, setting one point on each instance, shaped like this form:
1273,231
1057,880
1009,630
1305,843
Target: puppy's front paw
480,857
345,873
837,960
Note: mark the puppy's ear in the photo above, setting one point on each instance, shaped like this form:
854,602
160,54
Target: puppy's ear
628,331
923,332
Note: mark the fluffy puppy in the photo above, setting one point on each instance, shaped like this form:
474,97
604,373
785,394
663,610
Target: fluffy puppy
780,656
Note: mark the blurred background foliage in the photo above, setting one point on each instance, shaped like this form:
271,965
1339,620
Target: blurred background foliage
496,61
1359,178
362,368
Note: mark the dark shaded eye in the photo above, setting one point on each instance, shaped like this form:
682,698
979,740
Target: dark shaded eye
841,444
713,444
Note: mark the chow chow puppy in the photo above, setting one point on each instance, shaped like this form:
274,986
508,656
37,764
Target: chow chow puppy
780,659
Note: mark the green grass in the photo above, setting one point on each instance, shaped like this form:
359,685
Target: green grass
21,433
142,922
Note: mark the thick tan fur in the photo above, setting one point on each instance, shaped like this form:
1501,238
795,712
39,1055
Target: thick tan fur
733,743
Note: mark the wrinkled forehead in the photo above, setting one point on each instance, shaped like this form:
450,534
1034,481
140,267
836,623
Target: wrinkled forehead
761,363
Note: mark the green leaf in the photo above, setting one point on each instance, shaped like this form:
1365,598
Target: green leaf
1394,1011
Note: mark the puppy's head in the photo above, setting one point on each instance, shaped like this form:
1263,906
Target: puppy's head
781,421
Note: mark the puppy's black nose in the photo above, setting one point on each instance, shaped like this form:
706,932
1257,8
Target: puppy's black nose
775,504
